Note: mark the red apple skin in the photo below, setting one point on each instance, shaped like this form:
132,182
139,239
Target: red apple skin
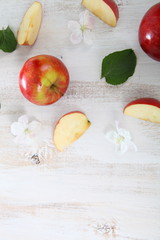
43,79
147,101
113,6
68,114
149,32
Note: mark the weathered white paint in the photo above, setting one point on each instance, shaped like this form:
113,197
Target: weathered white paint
70,194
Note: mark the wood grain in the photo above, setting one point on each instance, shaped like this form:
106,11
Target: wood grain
88,192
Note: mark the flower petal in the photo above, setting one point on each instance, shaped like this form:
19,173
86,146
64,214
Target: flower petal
76,36
17,128
81,18
73,26
87,37
23,119
126,134
34,126
117,125
25,140
121,138
30,141
117,147
123,147
20,139
111,136
89,21
122,132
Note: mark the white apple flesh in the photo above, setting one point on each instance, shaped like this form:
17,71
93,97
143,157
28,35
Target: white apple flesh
147,109
106,10
30,25
69,128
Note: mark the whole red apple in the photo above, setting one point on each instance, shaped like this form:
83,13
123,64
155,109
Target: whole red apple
43,79
149,32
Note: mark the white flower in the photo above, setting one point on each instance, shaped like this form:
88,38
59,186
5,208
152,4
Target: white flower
82,30
121,138
26,133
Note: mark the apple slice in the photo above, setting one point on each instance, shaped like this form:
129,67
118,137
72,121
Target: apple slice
69,128
106,10
147,109
30,25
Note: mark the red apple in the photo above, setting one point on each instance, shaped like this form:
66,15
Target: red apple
69,128
149,32
147,109
106,10
43,79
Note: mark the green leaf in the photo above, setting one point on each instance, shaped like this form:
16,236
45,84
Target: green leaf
117,67
8,42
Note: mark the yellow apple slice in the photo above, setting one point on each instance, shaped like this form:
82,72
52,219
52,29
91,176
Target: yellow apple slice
30,25
69,128
106,10
147,109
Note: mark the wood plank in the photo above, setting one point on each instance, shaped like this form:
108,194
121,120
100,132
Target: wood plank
88,192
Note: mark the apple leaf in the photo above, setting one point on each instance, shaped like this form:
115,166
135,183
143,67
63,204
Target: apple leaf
8,42
117,67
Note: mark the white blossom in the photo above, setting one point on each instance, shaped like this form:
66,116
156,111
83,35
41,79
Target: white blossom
26,133
82,29
121,138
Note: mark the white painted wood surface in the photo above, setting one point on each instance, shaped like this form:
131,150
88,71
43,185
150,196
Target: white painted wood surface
70,194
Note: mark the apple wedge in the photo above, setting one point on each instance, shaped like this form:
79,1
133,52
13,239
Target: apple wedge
147,109
106,10
30,25
69,128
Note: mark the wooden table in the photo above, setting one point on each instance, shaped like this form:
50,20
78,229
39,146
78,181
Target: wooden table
87,192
